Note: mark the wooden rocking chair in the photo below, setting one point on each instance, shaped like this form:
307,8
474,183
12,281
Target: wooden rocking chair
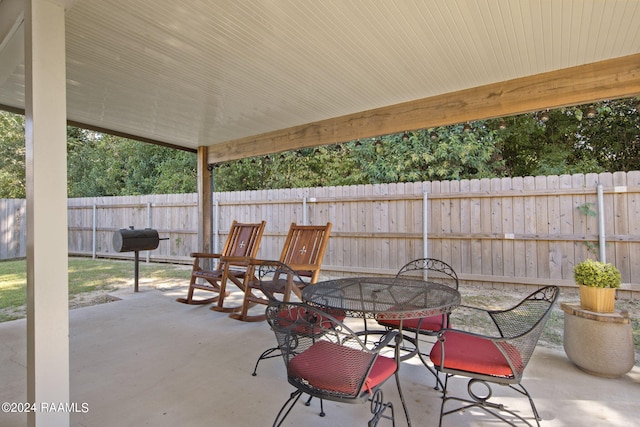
234,264
303,252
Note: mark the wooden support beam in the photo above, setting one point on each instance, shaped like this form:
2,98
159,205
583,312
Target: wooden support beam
610,79
204,202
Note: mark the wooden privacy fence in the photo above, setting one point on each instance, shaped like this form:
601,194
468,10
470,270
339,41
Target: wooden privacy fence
13,227
530,230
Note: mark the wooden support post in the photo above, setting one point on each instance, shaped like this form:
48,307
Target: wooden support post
204,202
46,167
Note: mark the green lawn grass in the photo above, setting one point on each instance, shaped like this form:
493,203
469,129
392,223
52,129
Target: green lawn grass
85,275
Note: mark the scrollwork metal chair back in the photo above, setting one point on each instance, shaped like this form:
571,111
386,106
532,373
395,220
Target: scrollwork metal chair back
326,359
273,277
498,358
433,270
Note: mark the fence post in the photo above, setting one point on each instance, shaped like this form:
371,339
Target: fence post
304,210
601,237
94,231
148,226
425,230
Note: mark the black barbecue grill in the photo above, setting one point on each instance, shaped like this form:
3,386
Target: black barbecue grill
132,240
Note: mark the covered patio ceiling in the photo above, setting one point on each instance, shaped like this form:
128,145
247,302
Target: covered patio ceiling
251,77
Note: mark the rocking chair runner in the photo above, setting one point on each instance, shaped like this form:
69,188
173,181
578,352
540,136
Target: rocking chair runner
499,358
303,252
327,360
234,264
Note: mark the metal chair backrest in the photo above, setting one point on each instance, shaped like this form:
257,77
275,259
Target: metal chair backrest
432,269
297,328
522,325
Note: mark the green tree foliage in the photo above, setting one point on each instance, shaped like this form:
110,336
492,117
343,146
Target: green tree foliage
433,154
612,138
12,160
99,164
309,167
106,165
444,153
571,141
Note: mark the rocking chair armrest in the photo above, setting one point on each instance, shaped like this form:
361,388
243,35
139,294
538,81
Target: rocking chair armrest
300,267
238,260
204,255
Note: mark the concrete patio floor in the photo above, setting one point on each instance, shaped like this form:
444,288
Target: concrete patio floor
149,361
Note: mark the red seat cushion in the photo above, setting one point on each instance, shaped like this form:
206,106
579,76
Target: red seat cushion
329,366
431,323
473,354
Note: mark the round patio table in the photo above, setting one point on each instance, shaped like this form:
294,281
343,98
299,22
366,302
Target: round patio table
383,298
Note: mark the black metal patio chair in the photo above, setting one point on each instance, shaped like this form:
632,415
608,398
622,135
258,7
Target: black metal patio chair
433,270
327,360
273,277
499,357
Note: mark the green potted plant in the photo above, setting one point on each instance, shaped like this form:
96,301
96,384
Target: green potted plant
598,282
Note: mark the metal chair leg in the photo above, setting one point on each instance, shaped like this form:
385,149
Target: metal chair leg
267,354
482,402
404,405
286,408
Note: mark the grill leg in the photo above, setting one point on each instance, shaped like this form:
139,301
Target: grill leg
136,269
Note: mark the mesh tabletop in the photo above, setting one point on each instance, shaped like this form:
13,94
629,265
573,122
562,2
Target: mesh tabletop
383,297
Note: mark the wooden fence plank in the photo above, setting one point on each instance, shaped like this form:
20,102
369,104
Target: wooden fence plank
542,226
464,263
508,247
445,221
476,227
554,227
531,251
455,218
518,224
566,227
633,178
485,226
497,254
